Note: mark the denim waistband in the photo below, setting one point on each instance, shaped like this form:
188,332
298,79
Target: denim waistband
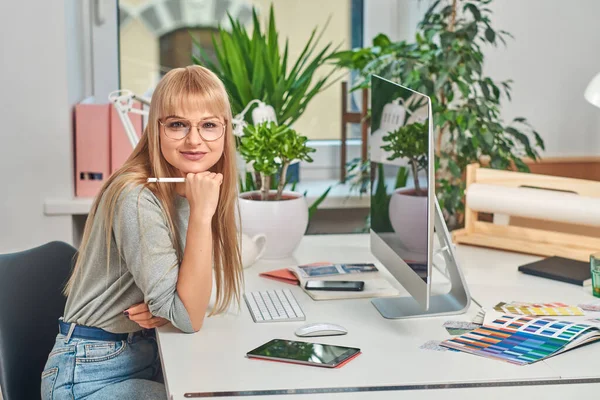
93,333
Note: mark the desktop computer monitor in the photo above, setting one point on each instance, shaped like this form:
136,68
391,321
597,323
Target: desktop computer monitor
404,215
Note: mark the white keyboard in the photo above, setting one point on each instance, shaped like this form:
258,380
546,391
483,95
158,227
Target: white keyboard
274,306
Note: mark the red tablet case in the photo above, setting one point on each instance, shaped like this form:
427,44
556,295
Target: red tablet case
340,365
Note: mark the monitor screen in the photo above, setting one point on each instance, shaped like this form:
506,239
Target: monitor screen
400,168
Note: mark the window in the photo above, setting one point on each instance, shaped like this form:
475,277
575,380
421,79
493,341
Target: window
154,37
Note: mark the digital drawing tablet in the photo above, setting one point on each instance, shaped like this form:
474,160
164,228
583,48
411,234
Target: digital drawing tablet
559,269
315,354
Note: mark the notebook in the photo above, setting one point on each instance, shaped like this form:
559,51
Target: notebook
560,269
523,339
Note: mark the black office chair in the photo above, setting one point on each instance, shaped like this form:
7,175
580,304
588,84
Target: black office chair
31,301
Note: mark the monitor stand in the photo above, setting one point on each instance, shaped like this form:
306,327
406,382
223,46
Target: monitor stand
456,301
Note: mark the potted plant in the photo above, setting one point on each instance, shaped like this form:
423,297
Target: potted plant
445,61
253,66
279,214
408,206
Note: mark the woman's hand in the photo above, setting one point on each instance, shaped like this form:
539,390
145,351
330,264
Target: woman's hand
140,314
202,192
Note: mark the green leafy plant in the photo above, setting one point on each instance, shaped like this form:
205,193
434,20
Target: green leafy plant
252,66
315,205
407,142
270,148
357,173
445,61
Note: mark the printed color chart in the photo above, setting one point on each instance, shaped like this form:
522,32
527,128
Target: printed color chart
523,340
555,309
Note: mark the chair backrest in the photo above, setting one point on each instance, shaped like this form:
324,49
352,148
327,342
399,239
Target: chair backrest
31,301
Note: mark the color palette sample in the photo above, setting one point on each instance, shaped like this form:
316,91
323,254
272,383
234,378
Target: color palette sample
523,340
555,309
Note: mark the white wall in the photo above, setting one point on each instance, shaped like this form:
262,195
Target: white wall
554,54
397,19
37,72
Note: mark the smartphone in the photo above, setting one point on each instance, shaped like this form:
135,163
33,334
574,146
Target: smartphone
352,286
315,354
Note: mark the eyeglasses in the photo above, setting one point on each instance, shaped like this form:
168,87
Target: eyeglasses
178,128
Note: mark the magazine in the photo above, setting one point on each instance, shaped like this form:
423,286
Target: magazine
312,270
376,284
524,340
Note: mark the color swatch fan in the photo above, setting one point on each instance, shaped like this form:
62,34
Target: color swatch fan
524,340
555,309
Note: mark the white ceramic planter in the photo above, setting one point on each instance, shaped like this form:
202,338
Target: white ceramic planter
408,215
283,222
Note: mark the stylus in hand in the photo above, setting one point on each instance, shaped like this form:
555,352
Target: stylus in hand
166,180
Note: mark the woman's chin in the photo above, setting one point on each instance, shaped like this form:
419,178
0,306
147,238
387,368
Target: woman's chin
192,169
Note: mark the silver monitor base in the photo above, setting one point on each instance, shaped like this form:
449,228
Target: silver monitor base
457,301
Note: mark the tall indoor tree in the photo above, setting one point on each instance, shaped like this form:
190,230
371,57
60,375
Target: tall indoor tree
445,61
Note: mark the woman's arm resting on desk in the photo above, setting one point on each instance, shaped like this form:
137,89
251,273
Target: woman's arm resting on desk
144,241
195,274
178,293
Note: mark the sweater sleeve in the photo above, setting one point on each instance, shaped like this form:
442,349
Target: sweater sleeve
145,243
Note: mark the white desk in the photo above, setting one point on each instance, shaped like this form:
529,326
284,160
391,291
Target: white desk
213,360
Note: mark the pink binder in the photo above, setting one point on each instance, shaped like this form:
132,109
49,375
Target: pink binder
120,146
92,148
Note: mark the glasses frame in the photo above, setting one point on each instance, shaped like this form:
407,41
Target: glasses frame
197,126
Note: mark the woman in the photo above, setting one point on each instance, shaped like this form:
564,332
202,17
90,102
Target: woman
149,249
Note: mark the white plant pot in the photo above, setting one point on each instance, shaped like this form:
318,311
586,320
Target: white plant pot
408,216
283,222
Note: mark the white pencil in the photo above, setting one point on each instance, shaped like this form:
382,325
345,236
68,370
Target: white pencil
172,180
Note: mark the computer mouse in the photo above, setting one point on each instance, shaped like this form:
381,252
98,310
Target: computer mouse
320,329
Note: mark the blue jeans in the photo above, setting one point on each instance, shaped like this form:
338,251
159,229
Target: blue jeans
97,369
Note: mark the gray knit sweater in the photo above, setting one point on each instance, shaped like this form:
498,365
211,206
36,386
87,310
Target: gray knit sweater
146,271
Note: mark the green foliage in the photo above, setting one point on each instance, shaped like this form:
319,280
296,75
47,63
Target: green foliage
445,61
407,142
357,173
252,66
401,177
270,148
313,207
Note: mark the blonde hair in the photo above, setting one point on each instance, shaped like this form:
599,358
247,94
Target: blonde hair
177,88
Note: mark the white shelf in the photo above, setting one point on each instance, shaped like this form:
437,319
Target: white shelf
338,197
72,206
